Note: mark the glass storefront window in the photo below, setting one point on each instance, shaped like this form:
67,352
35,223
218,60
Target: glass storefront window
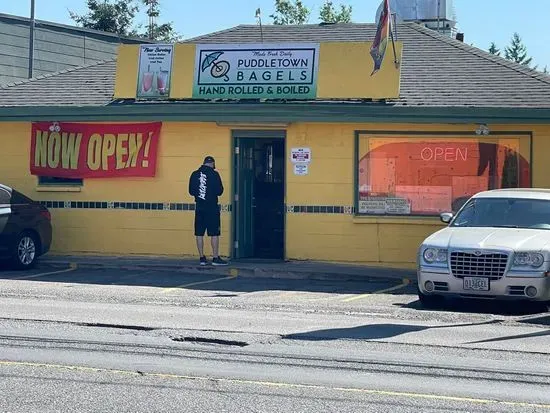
427,175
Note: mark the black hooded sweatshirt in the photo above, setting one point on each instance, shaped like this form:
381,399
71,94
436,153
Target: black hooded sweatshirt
205,184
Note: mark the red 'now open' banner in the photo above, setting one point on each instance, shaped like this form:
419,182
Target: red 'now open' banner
88,150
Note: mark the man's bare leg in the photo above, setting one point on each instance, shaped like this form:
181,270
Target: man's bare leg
215,245
200,246
215,250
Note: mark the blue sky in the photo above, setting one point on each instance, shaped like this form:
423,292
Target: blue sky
482,21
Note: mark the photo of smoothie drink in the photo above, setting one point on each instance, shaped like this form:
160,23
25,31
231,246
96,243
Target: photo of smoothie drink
147,80
162,79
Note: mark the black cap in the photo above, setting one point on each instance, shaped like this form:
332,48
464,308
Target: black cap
209,159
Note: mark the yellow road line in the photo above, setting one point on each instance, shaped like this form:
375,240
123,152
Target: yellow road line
72,267
410,395
199,283
404,283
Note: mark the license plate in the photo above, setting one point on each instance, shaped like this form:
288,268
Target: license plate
476,283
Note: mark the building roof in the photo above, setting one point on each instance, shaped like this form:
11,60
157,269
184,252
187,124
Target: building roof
437,71
90,85
71,29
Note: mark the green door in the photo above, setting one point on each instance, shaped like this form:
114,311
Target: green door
244,198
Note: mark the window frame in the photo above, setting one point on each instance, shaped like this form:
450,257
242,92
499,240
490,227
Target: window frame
72,182
5,192
465,134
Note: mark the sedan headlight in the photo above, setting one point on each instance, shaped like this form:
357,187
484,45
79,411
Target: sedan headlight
530,259
435,255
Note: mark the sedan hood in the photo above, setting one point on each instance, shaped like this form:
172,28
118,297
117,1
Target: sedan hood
491,238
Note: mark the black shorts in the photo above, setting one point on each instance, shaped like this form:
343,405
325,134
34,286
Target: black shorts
207,219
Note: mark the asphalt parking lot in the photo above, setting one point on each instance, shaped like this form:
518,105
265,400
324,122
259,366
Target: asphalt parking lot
376,294
178,280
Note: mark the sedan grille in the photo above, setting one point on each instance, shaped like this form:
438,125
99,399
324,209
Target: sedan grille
466,264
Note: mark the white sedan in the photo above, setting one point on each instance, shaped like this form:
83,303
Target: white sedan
497,246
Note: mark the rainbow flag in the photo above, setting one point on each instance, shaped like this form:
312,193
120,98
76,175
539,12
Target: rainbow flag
378,49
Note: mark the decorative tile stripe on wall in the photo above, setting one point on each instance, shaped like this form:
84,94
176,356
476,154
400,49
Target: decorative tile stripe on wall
150,206
319,209
172,206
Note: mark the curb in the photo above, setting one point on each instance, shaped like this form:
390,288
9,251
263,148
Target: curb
371,274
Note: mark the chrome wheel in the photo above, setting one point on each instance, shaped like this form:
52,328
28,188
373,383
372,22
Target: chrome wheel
26,250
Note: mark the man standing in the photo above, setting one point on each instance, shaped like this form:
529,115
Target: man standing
205,184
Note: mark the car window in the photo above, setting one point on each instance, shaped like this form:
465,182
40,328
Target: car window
505,212
18,198
4,197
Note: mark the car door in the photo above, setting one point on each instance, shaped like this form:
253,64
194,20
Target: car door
5,214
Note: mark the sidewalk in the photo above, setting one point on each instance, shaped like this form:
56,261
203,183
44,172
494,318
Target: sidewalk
241,268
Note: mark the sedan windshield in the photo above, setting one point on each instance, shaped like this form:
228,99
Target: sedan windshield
504,213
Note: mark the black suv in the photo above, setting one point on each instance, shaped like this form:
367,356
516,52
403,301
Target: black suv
25,228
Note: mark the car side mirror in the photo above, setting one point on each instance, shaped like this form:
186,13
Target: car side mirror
446,217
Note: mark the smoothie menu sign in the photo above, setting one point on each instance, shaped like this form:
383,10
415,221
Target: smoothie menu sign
155,67
256,71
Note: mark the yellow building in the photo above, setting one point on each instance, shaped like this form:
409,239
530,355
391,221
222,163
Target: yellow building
322,158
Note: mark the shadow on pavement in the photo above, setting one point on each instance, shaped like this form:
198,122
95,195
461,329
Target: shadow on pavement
229,285
514,337
540,321
372,331
506,308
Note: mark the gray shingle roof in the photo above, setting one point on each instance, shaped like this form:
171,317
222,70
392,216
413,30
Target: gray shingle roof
437,71
91,85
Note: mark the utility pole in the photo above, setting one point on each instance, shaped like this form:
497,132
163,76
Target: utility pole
259,18
153,13
31,41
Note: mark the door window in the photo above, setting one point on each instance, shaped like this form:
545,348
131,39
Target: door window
4,197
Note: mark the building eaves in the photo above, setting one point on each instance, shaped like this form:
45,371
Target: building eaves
66,27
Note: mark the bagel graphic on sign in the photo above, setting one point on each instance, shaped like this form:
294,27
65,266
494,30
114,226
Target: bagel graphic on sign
218,69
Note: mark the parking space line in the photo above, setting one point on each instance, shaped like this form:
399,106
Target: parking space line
307,296
72,267
403,284
199,283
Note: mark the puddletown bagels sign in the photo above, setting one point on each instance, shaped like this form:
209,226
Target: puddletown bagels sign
256,71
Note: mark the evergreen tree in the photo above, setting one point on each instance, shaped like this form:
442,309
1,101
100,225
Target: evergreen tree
517,52
329,14
290,12
494,50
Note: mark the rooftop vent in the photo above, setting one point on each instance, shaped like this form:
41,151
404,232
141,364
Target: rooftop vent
438,15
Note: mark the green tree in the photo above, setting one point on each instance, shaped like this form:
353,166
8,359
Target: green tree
545,70
164,32
114,16
517,52
329,14
290,12
117,16
494,50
